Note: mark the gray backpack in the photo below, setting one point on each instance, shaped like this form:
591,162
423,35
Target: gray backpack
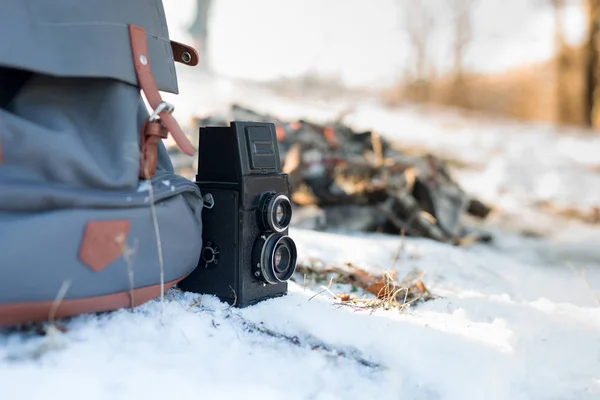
92,215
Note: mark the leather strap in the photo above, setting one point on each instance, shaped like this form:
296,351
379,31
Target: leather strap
152,133
184,54
141,62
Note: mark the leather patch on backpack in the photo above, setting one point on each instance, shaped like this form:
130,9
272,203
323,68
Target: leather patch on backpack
103,242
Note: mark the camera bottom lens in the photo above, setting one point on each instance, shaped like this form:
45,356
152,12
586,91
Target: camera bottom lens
274,258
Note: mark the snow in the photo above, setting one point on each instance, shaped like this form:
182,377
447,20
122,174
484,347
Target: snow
516,319
144,186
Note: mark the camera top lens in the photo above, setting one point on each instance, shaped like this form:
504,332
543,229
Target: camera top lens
275,212
279,214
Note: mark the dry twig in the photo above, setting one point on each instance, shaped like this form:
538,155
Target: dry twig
310,342
156,232
389,294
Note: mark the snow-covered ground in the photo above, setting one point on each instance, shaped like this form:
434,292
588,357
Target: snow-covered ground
503,330
515,319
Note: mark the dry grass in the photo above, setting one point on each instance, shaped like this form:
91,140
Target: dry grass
387,293
390,296
159,247
527,92
590,216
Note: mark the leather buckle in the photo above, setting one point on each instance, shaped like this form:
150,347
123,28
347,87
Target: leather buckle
162,107
152,133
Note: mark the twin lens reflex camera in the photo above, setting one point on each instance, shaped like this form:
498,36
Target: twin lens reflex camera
247,254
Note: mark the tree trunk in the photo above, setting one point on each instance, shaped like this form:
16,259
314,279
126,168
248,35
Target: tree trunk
462,34
563,105
199,30
462,38
418,22
592,75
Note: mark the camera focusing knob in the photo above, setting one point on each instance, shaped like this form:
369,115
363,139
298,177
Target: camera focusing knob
211,253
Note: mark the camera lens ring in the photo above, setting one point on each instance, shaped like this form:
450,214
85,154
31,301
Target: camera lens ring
266,248
281,258
274,204
278,201
288,261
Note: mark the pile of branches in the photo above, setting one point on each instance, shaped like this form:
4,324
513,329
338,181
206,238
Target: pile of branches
361,181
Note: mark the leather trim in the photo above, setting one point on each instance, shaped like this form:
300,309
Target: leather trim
152,133
103,242
20,313
179,53
141,62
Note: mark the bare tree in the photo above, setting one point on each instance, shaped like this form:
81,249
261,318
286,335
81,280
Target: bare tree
418,23
461,23
462,34
199,30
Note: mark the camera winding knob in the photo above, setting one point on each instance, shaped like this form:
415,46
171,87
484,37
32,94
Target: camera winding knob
211,254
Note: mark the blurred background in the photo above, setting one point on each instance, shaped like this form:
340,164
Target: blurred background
529,59
499,98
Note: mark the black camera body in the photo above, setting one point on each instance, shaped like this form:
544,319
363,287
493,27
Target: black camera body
247,254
